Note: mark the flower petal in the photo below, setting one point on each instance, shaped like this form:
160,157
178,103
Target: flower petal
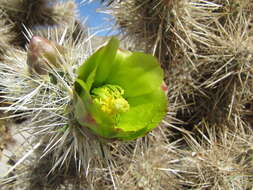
136,73
89,115
102,61
146,112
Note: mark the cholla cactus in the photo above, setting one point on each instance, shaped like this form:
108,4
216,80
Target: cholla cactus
146,24
206,48
217,59
33,14
65,97
47,115
5,35
202,163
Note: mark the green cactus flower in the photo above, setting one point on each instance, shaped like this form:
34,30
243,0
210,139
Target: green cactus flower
119,94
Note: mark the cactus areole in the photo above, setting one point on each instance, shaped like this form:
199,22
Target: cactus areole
118,93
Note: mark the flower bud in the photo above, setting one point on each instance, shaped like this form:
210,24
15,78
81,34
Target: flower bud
41,53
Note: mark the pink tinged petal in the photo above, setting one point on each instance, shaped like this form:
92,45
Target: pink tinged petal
89,119
164,87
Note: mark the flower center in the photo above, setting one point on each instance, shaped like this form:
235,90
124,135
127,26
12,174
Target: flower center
110,99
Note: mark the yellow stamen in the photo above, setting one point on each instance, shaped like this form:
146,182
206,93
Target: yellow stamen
110,99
